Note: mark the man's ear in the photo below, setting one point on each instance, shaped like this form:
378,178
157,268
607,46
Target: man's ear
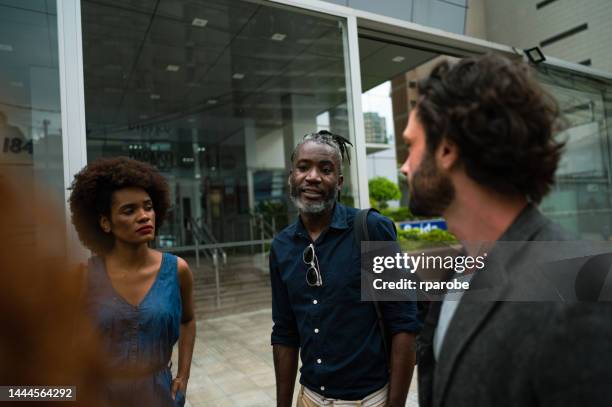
105,224
447,154
340,181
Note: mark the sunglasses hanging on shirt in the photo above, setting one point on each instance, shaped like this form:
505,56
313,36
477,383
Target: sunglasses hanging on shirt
313,274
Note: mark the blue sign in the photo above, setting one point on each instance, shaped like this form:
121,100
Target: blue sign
424,225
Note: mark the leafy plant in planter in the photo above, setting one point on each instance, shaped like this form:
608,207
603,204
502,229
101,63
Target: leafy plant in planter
398,214
414,239
383,190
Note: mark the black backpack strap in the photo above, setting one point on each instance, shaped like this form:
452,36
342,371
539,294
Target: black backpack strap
360,227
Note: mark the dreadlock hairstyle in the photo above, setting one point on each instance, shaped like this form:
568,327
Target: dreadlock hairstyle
335,141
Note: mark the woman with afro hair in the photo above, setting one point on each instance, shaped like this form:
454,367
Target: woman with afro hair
140,299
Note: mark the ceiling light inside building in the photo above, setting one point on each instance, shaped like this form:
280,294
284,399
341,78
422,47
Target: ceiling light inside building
155,96
143,116
278,37
212,101
6,47
199,22
238,75
398,58
191,120
172,68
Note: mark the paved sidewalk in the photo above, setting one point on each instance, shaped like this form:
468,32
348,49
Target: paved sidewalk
232,363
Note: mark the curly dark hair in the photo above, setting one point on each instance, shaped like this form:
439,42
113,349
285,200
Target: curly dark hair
501,119
92,190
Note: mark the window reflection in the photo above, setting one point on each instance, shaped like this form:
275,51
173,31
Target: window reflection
215,94
30,119
581,200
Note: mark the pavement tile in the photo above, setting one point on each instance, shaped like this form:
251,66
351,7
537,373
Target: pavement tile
233,363
253,398
231,387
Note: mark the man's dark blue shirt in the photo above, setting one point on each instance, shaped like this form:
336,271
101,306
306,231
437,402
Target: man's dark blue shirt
340,342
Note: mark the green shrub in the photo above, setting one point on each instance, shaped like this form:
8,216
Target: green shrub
398,214
414,239
438,235
411,234
383,190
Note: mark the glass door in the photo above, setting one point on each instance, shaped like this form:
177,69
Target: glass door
215,94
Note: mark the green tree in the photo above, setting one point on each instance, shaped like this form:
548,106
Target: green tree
383,190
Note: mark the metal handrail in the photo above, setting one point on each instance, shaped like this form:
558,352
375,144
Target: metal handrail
212,239
201,234
265,225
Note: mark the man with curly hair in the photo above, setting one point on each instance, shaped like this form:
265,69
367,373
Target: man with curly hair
140,299
482,154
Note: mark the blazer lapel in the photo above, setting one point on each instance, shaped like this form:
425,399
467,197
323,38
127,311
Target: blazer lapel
469,317
477,306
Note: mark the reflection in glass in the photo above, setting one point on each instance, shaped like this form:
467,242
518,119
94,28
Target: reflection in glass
389,73
215,94
581,198
30,120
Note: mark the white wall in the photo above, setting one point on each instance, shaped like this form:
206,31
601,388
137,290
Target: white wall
520,24
447,15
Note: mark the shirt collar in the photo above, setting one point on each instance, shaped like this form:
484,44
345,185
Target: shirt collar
338,221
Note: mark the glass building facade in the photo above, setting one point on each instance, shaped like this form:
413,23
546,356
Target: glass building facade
31,133
217,93
214,94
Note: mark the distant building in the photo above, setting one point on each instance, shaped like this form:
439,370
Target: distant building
575,31
375,128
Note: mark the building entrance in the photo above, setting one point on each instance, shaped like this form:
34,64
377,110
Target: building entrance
215,94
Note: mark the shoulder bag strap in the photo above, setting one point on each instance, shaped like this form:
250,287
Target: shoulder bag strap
360,227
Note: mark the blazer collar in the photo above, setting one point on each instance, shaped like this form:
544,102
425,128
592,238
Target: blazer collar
471,314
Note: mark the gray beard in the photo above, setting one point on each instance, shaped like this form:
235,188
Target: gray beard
312,208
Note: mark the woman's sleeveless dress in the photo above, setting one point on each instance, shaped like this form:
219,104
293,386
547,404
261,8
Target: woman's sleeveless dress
138,339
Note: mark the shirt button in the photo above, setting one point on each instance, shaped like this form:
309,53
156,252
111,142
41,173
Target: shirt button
319,361
322,388
316,330
315,302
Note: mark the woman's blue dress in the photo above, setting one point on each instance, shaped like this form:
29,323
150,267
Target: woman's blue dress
139,339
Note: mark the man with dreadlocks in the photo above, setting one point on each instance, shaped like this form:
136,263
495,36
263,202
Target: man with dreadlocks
316,308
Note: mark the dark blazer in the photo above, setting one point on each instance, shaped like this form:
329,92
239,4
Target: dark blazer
501,353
